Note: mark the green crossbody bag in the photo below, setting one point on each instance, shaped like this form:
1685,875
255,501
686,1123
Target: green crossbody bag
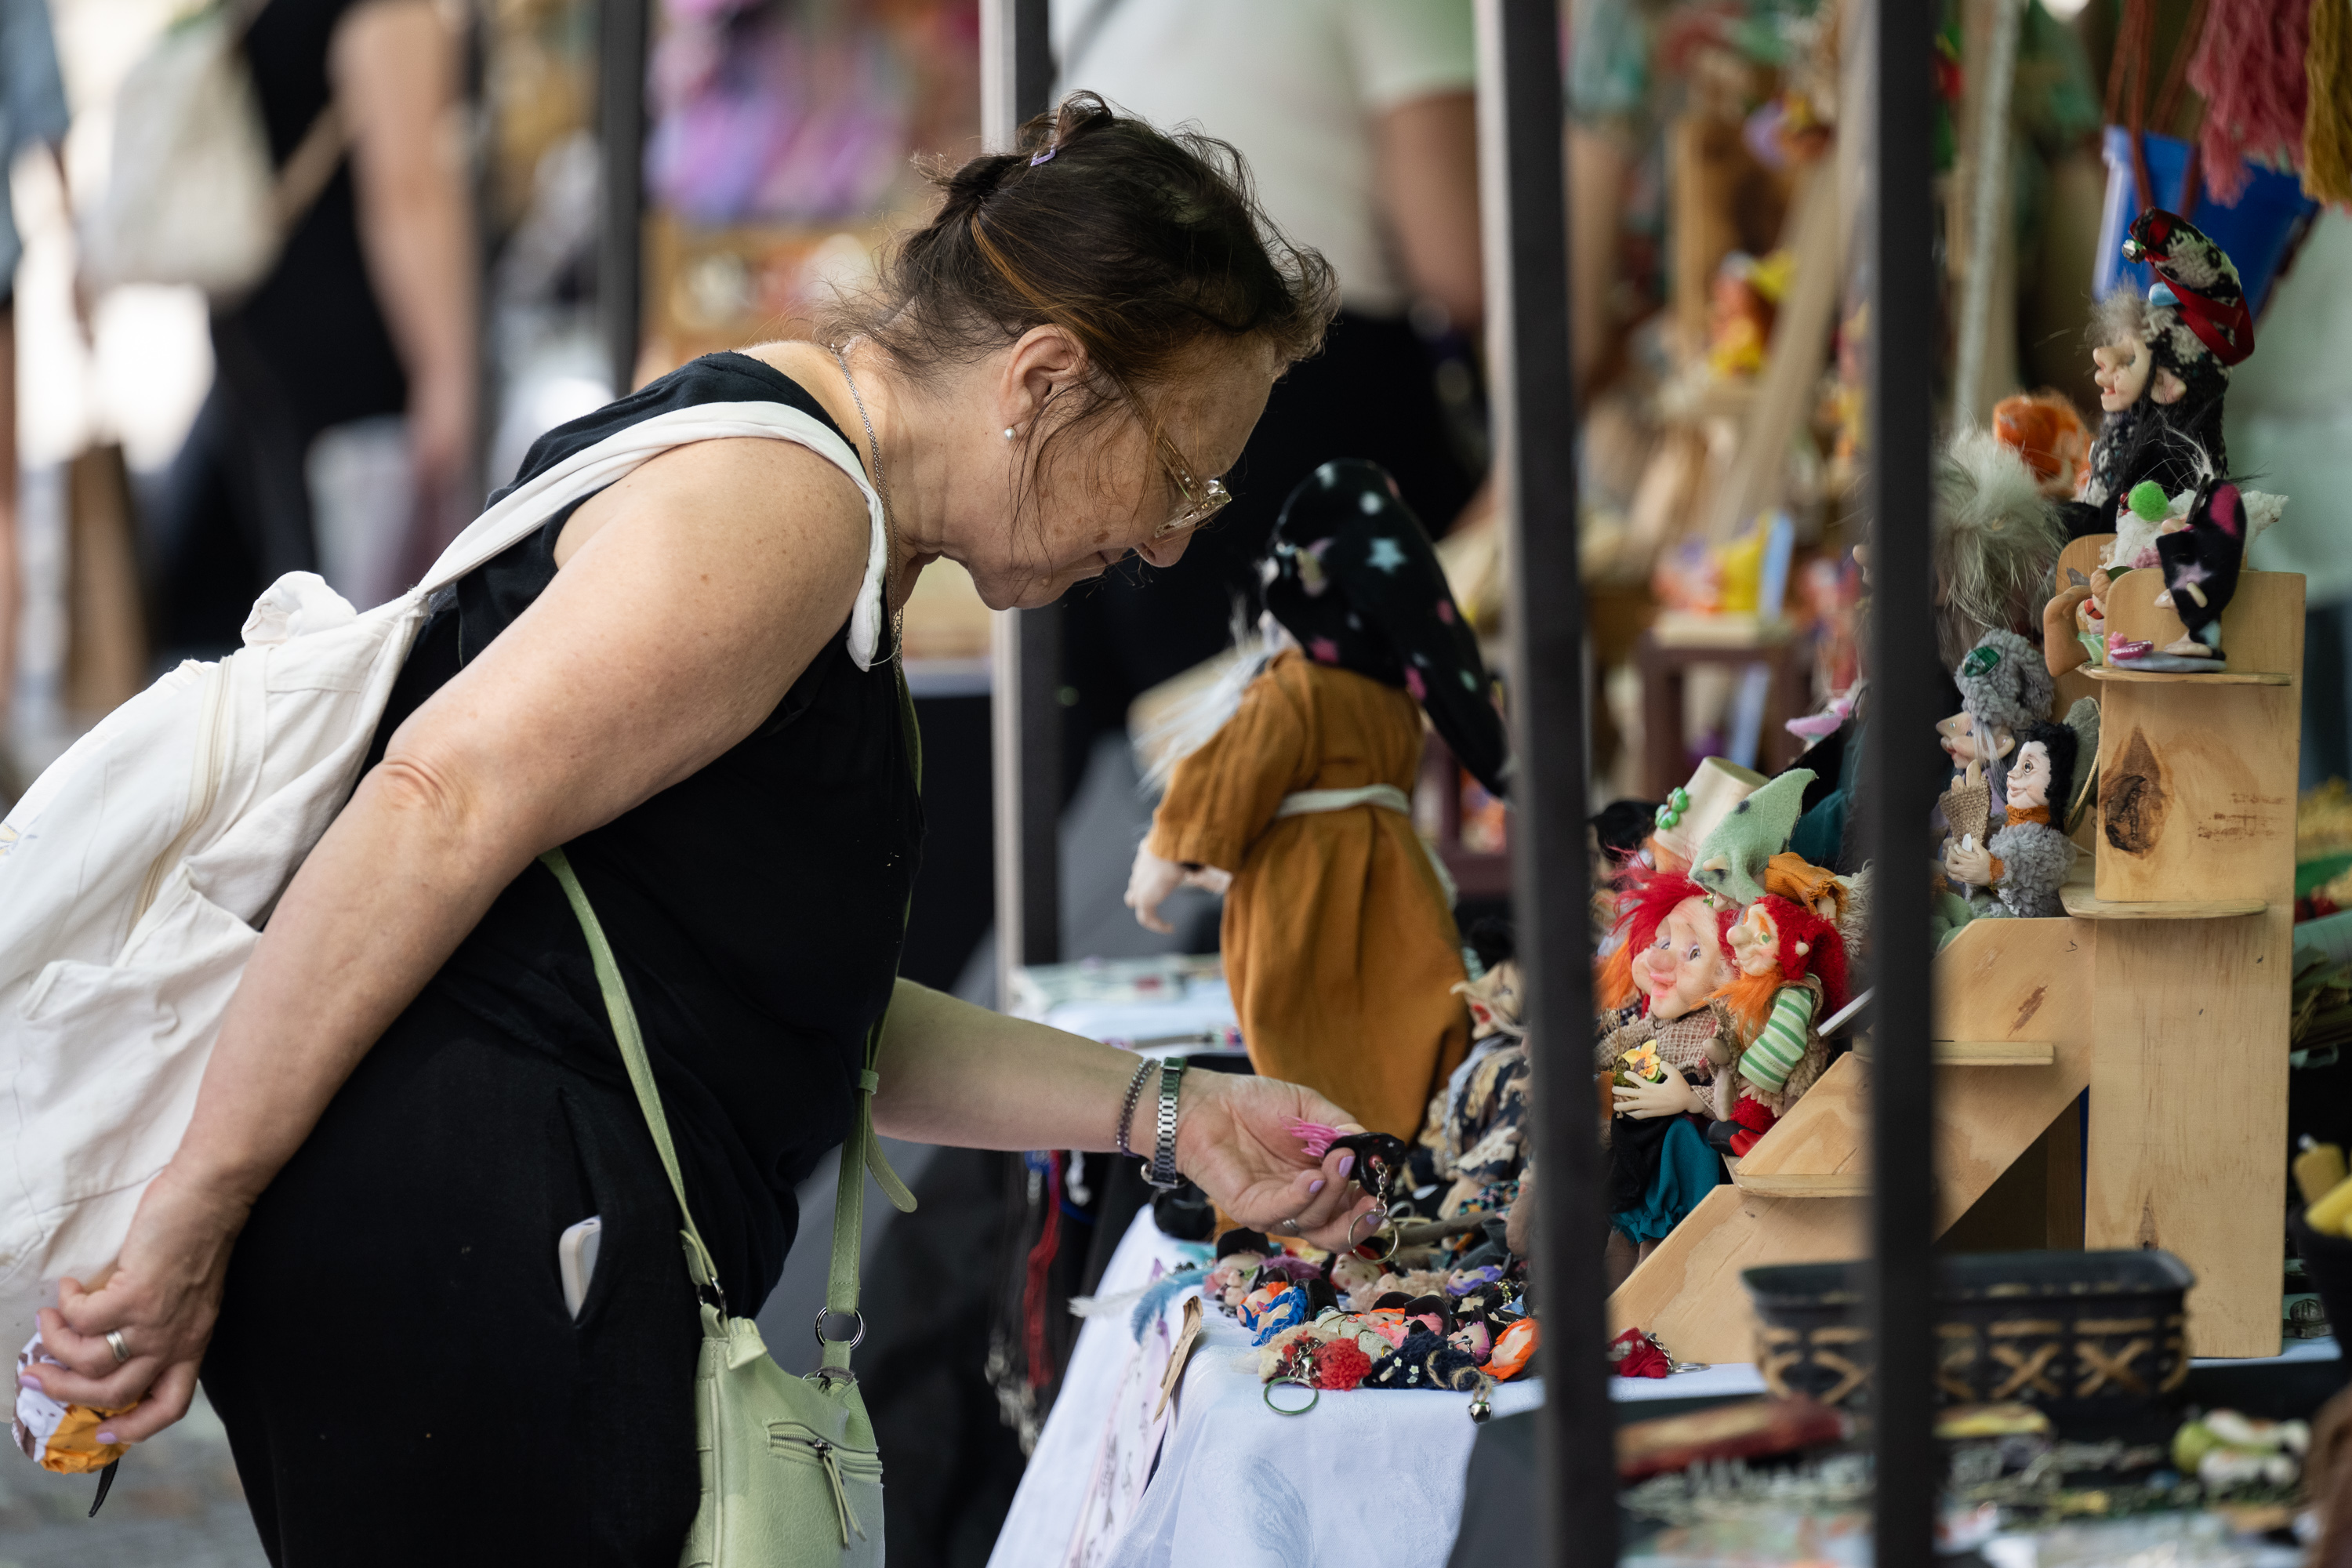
791,1477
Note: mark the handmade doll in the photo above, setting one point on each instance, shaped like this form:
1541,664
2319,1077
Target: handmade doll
2043,428
1339,941
2004,686
1470,1147
1677,1037
1688,814
1995,539
2163,368
1792,976
1735,859
2020,870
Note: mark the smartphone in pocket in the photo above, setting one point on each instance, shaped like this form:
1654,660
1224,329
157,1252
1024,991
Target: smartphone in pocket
575,1260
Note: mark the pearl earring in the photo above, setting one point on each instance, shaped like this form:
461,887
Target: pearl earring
1008,431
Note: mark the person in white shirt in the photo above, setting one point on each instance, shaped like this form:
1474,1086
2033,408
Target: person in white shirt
1356,118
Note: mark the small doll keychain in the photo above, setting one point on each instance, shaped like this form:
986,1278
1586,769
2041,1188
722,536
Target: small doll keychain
1378,1158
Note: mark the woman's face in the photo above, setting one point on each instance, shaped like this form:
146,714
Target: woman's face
1106,488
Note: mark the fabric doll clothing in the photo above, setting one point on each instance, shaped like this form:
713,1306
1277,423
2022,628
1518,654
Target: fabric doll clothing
2033,859
1687,1169
1339,947
1483,1151
1636,1144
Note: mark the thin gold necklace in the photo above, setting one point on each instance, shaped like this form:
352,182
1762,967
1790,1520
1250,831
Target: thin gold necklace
882,490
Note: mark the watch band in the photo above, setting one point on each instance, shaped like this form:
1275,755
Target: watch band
1127,1106
1161,1173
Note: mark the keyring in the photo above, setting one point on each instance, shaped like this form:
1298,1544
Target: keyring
1383,1227
1302,1382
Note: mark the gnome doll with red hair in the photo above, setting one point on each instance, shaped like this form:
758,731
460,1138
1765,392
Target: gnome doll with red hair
1790,964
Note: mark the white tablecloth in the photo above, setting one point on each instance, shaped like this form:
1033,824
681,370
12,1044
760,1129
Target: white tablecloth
1368,1475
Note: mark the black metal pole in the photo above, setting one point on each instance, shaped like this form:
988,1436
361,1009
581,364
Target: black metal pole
1016,77
621,128
1523,187
1899,775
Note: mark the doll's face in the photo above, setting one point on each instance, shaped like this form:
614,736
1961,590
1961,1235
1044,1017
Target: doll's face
2122,373
2029,777
1756,943
1686,964
1963,745
1493,999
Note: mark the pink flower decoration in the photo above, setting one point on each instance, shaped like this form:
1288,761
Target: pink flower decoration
1446,611
1323,650
1418,686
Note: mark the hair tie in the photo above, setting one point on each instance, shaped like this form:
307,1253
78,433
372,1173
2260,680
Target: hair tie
1045,157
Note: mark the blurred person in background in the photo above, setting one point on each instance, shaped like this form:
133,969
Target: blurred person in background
32,114
1358,119
369,313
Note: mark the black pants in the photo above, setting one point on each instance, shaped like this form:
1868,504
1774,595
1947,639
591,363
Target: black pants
400,1380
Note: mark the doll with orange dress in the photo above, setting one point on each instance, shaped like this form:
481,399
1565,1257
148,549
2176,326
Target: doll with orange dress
1339,936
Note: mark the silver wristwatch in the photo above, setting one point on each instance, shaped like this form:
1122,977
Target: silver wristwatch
1162,1172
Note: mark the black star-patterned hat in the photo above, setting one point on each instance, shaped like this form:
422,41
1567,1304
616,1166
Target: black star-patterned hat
1353,576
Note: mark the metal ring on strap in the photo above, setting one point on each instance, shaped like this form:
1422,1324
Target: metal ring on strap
825,1312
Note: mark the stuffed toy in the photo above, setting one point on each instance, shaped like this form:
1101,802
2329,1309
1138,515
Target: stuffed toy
1690,812
1338,937
1735,861
1677,963
2020,871
1470,1146
1793,975
2045,430
2004,686
1995,539
2199,562
2163,368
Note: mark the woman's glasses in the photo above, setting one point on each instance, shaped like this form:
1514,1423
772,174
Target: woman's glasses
1204,498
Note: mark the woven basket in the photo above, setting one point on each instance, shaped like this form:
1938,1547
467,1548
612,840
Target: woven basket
2073,1334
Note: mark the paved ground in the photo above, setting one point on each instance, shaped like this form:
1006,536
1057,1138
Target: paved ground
175,1504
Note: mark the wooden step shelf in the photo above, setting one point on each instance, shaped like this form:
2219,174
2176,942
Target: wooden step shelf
1983,1053
2163,992
2203,678
2083,903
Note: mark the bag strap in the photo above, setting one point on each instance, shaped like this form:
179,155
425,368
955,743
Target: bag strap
859,1153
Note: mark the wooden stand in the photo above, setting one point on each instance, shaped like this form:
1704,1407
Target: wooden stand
2164,991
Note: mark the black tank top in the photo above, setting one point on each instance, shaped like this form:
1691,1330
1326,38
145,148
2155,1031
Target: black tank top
756,908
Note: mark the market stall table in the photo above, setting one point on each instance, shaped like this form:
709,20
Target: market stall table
1223,1481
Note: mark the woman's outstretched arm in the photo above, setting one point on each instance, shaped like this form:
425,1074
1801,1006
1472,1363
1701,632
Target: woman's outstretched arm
708,579
954,1073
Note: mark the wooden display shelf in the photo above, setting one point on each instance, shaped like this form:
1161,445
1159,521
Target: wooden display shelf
1822,1184
1983,1053
2084,904
2203,678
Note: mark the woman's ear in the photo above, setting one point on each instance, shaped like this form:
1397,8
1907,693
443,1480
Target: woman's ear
1044,363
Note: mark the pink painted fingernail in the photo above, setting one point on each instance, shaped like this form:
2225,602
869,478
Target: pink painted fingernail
1315,1186
106,1437
26,1380
1347,1163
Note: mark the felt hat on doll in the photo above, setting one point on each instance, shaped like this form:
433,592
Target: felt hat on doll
1730,861
1352,575
1690,812
2004,682
2198,280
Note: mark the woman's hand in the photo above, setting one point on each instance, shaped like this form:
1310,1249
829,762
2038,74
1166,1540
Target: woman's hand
162,1297
1153,879
1644,1100
1233,1140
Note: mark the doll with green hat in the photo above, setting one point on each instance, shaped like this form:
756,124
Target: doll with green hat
1730,864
